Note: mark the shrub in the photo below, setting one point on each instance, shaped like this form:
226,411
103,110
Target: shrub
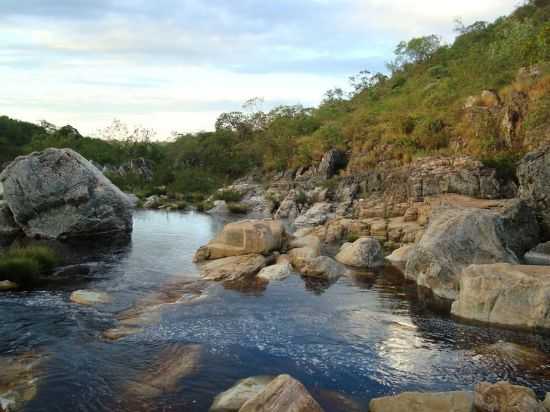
351,237
46,258
237,208
228,195
21,270
205,206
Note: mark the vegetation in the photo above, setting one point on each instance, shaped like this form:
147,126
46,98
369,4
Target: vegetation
417,109
23,265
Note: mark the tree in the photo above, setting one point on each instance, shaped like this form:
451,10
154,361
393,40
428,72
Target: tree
417,50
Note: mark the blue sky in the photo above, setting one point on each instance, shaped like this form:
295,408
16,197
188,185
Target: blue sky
176,64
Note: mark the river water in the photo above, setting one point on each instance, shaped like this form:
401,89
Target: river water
362,337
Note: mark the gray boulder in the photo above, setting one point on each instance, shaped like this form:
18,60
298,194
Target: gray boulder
365,252
8,227
459,237
57,194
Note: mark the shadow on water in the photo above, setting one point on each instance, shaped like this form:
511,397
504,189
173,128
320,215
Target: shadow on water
367,335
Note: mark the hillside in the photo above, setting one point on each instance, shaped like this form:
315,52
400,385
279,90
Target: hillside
486,95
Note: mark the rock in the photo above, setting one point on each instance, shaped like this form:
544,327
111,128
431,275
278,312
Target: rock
57,194
173,364
317,215
540,255
504,397
546,402
234,398
121,332
323,267
299,257
288,209
90,297
6,285
365,252
533,174
515,355
424,402
8,227
152,202
283,394
19,380
506,295
310,241
400,256
332,162
233,268
244,238
458,237
275,272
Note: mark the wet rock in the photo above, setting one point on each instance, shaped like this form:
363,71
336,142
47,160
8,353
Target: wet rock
6,285
283,394
317,215
506,295
90,297
234,398
365,252
57,194
323,267
336,401
276,272
515,355
424,402
122,332
458,237
171,366
8,227
244,238
19,379
504,397
233,268
400,256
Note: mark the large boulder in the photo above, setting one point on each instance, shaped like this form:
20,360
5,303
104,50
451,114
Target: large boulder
424,402
235,397
244,238
505,397
283,394
57,194
323,267
8,227
459,237
365,252
533,173
304,249
233,268
316,215
280,271
504,294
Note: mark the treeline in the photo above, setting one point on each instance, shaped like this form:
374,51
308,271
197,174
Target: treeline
416,109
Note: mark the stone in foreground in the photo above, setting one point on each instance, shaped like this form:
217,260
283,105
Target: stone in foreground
424,402
244,238
233,268
6,285
234,398
279,271
323,267
506,295
459,237
365,252
283,394
504,397
57,194
90,297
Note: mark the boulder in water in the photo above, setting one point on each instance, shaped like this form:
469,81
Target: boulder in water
365,252
57,194
505,397
234,268
234,398
90,297
424,402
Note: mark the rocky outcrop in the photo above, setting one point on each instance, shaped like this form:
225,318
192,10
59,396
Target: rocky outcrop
424,402
363,253
233,268
235,397
533,173
459,237
504,397
506,295
8,227
318,214
57,194
244,237
283,394
332,162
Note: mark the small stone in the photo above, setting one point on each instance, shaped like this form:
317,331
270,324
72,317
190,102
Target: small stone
90,297
6,285
234,398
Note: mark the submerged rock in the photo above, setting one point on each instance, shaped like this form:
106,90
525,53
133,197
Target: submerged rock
120,332
459,237
234,398
515,355
19,378
504,294
505,397
57,194
90,297
283,394
424,402
233,268
365,252
173,364
244,238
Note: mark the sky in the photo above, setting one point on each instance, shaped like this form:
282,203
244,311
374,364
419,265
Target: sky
175,65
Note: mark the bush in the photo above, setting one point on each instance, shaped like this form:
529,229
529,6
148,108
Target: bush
238,208
205,206
46,258
21,270
228,195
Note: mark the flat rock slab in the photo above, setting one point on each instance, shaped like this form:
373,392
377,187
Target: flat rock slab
234,398
424,402
233,268
504,397
90,297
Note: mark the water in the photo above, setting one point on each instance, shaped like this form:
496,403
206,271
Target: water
362,337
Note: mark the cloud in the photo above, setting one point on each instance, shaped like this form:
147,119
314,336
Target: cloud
178,63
